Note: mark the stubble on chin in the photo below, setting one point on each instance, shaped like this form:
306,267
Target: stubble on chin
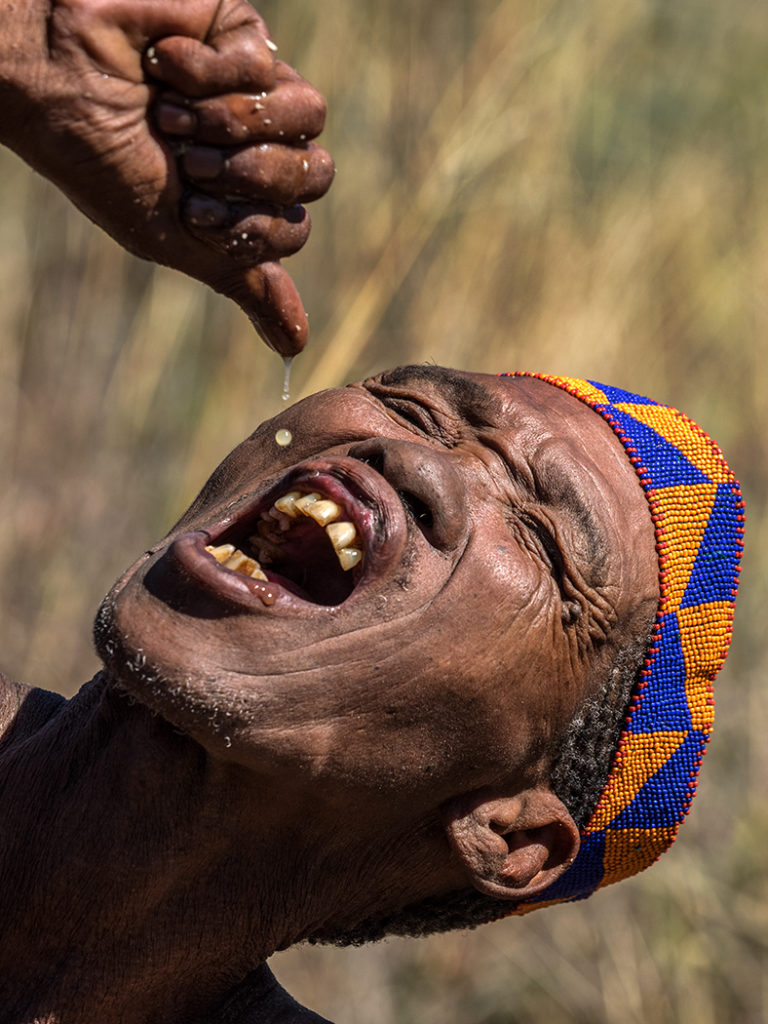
193,704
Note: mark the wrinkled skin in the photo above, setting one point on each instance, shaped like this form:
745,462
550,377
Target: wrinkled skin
497,470
262,761
283,765
212,181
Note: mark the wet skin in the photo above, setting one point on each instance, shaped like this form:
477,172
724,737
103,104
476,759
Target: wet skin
317,764
508,550
175,128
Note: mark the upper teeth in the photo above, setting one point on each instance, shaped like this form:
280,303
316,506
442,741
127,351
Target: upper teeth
341,533
287,503
305,503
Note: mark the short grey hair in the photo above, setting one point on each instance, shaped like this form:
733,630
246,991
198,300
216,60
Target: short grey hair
578,777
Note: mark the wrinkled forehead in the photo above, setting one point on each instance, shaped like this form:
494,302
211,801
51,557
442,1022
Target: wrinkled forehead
471,393
526,408
534,406
542,432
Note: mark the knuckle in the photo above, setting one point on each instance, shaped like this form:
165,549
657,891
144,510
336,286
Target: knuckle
312,107
319,108
286,236
319,177
256,232
254,58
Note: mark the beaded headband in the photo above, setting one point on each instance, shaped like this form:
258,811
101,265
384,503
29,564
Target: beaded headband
698,514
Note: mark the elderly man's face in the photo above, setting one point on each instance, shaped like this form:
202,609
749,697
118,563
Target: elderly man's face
503,534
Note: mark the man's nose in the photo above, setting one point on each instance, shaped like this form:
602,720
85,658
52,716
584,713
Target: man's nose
428,485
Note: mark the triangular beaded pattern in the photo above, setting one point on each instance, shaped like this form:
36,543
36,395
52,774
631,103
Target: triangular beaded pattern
698,514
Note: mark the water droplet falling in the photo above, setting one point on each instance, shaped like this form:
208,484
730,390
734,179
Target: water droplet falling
287,360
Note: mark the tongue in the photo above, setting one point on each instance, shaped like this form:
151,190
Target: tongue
291,587
308,567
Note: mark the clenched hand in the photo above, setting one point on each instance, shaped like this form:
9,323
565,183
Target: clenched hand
175,128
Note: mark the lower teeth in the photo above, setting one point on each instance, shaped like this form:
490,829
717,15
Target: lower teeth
233,558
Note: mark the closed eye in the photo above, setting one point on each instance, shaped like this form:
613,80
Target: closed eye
413,413
410,412
550,549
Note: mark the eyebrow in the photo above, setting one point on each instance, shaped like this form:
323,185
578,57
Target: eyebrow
467,395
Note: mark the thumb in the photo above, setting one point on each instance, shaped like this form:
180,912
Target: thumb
239,61
266,293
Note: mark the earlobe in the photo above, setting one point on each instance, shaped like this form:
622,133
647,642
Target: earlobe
511,847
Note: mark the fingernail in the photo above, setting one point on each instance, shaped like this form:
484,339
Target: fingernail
203,162
295,214
279,340
175,120
204,212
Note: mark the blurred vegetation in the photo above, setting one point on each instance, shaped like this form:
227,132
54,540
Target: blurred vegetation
538,184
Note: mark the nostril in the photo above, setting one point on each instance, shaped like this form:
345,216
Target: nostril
421,513
426,482
375,460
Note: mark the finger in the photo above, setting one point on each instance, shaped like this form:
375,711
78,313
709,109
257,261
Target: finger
144,21
251,237
293,112
240,60
279,174
116,34
249,232
269,297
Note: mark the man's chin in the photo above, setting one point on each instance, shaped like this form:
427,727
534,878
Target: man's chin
161,687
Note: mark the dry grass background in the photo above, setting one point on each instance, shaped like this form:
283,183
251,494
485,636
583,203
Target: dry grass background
569,186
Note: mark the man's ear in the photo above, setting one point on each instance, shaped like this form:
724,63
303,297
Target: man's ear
511,847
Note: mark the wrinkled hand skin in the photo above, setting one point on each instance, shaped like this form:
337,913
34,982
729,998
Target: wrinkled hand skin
175,128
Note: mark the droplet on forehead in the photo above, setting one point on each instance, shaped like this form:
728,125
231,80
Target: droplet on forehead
283,437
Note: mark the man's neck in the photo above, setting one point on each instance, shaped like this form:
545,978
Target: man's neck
136,883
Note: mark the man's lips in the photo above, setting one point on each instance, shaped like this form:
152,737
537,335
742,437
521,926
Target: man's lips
293,556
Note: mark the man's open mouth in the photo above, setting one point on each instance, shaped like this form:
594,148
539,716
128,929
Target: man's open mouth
304,541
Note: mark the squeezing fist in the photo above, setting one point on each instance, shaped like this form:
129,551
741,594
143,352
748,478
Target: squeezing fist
174,127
